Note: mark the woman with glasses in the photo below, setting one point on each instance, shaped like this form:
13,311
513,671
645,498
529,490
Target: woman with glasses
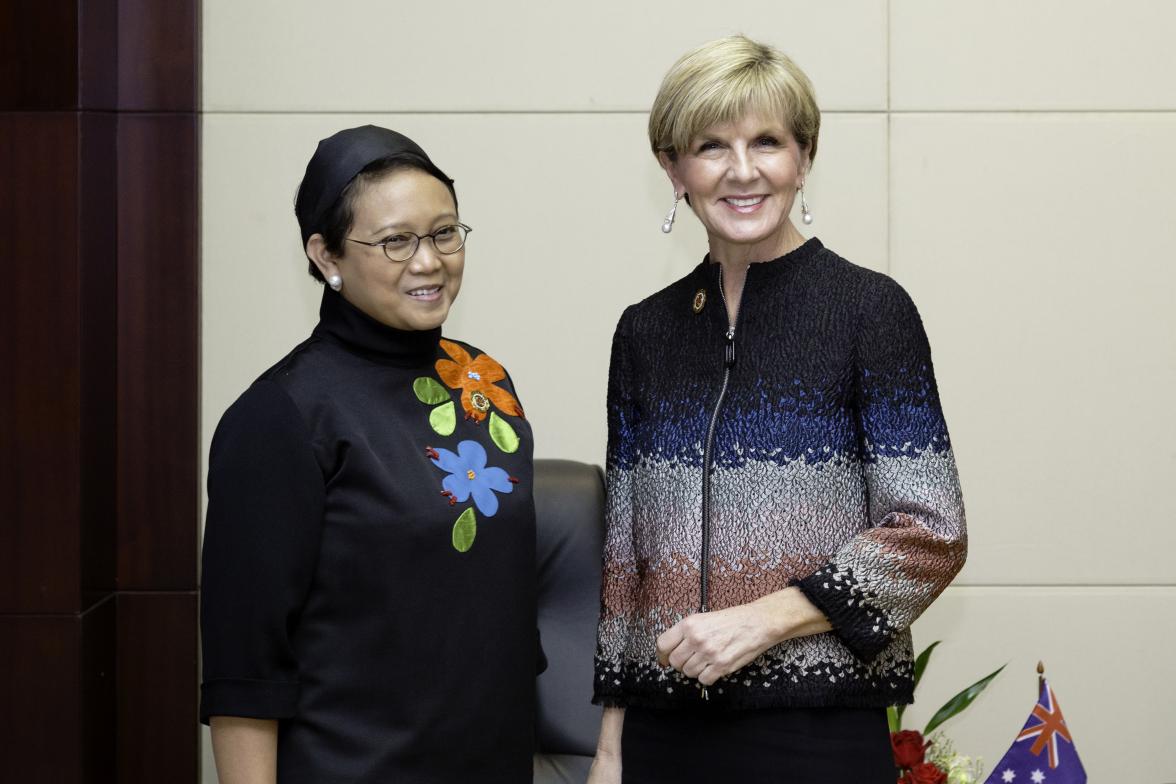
782,496
368,592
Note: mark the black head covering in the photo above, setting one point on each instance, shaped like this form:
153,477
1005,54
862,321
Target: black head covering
339,158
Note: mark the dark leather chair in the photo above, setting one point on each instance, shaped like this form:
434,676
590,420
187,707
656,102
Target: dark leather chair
569,508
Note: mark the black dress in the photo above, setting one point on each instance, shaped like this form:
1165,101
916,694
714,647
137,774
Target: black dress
369,560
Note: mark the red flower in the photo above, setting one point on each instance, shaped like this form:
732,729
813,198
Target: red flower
925,773
908,748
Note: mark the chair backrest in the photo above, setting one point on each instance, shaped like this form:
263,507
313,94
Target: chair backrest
569,509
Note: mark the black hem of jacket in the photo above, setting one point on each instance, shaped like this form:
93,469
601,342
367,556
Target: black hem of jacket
903,695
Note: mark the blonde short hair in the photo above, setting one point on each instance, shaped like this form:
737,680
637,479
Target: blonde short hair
724,80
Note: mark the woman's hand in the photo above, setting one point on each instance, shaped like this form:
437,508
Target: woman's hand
711,645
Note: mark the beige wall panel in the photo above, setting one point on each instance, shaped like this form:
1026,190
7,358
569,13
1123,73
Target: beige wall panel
847,189
306,55
1039,249
567,212
207,761
1046,54
1107,654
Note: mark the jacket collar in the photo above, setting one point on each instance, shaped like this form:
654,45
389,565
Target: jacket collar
767,269
761,275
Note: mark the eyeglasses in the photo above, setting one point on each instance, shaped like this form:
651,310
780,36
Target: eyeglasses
403,245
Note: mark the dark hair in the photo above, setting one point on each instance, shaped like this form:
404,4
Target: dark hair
338,220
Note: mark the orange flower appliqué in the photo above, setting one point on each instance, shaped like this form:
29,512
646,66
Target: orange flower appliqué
475,378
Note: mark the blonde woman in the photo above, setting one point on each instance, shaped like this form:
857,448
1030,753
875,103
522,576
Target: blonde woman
782,496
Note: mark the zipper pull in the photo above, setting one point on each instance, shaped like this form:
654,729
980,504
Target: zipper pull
705,696
729,351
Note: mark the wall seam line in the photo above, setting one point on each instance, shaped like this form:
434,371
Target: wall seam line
889,142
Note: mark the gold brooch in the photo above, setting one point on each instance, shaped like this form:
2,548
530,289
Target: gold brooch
699,300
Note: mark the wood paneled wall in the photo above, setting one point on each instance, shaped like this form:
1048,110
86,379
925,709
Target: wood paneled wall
99,186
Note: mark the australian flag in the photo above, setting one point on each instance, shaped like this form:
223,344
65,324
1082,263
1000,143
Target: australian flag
1043,752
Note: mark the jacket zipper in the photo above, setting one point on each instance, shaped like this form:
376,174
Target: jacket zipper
728,363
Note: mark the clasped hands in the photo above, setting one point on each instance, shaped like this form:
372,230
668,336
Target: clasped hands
710,645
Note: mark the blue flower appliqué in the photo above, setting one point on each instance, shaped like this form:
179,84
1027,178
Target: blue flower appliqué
470,476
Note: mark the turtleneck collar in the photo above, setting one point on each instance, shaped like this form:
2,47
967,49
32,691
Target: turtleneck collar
342,323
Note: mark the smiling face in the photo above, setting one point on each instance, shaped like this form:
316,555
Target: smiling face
742,178
414,294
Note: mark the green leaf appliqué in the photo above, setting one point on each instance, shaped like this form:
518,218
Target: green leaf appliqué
429,391
503,435
464,530
443,419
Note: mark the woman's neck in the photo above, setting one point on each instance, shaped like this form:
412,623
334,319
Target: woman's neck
735,258
738,255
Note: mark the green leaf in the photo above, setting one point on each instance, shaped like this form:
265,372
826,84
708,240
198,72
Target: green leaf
920,668
429,391
894,717
464,530
921,662
443,419
962,700
503,435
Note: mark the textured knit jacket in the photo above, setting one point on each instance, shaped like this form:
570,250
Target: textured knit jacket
806,446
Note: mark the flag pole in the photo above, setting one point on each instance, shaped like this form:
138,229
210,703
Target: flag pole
1040,676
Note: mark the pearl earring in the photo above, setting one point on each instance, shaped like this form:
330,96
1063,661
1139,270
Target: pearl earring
806,217
335,282
668,224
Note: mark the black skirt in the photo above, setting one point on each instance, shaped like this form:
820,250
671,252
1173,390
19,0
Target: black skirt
781,746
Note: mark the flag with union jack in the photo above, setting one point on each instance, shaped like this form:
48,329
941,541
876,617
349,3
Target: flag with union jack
1043,752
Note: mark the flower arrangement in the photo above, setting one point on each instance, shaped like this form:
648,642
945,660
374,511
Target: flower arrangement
929,757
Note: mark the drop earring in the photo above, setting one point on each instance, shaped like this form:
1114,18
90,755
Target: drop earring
806,217
335,282
668,224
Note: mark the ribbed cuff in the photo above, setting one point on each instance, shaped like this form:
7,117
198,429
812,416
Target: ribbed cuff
610,700
862,628
606,692
249,699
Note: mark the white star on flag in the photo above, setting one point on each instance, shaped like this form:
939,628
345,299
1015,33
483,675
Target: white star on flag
1008,775
1037,777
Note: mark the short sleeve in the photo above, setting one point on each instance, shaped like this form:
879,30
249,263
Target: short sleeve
261,540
